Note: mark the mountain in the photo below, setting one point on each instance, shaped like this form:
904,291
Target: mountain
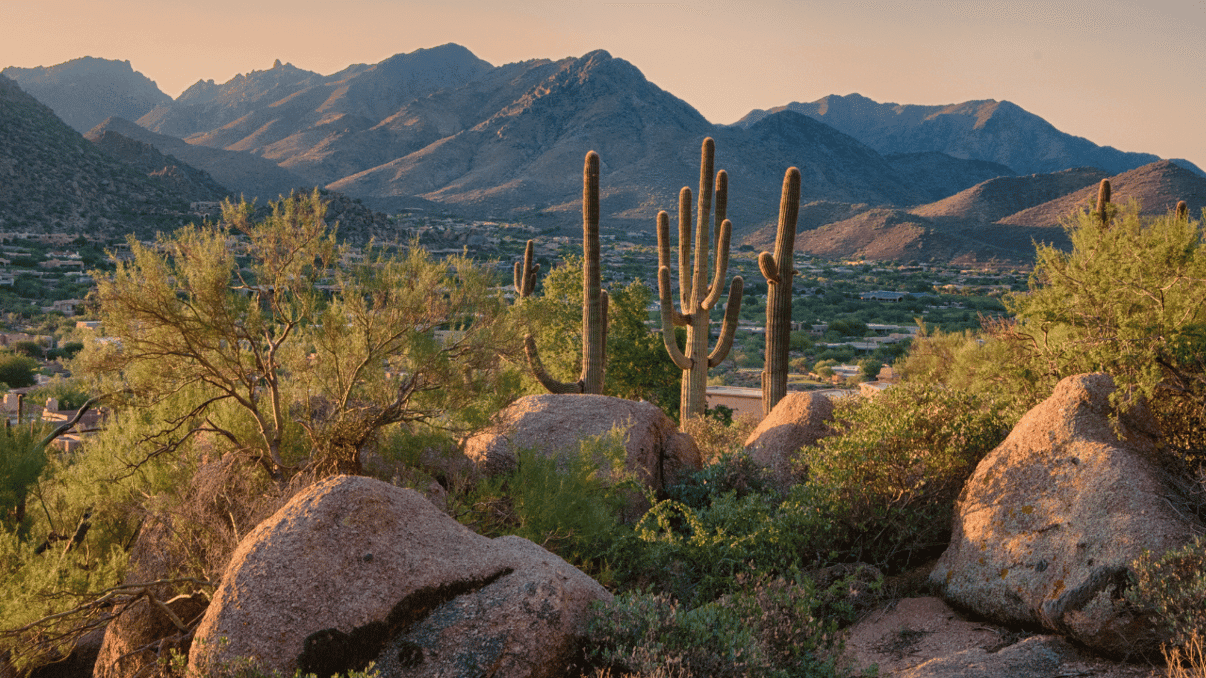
996,131
54,180
518,159
242,173
85,91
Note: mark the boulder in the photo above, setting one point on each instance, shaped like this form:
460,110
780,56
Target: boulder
1049,522
141,635
798,420
354,569
925,638
553,425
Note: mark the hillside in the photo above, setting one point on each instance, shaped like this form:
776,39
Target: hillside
1157,186
194,184
83,92
54,180
242,173
995,131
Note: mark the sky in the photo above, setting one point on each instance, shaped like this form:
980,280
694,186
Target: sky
1131,75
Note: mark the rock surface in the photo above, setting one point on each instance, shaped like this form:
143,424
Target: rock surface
798,420
926,638
1048,524
353,563
553,425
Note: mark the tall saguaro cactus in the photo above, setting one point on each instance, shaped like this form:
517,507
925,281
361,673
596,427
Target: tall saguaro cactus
778,269
697,297
594,298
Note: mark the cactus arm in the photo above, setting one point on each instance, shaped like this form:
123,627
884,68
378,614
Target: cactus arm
546,380
722,201
669,321
722,265
663,261
525,273
703,224
766,264
729,328
604,300
684,248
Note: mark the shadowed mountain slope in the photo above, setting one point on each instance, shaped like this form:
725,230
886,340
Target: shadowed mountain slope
52,179
244,174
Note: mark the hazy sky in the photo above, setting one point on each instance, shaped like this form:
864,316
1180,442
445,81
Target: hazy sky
1127,74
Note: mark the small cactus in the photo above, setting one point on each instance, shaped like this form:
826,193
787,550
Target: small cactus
1182,210
695,295
525,273
778,269
594,299
1103,201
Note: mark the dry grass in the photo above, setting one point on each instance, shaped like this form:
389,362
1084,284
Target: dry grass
1189,660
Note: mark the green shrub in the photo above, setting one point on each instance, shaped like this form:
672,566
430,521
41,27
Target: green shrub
1172,587
769,627
571,505
895,464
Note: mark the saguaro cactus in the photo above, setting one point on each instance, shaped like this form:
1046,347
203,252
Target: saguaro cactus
1103,201
778,269
696,296
594,298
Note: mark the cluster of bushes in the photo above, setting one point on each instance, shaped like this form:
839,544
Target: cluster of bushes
725,574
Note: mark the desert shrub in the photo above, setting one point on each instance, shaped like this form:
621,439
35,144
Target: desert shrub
770,627
17,370
895,464
717,436
571,505
22,460
1172,586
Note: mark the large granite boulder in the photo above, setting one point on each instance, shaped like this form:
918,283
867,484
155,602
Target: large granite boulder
554,425
798,420
354,570
1049,523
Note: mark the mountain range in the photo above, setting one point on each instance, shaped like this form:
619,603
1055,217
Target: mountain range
441,129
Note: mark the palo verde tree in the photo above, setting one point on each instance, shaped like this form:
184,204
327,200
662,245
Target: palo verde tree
290,348
1129,299
696,295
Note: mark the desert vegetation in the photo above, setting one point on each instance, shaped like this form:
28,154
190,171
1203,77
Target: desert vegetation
247,358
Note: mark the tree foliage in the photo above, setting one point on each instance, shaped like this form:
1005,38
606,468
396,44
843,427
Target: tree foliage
637,364
314,347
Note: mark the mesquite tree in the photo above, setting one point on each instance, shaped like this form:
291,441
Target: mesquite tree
696,295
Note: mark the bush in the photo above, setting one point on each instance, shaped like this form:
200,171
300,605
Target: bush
770,627
17,370
1172,587
895,464
570,505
